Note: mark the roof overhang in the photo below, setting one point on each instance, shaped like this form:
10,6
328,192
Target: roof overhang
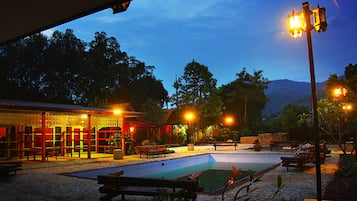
21,18
15,106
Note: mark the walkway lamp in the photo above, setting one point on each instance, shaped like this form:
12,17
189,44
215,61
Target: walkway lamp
299,23
189,116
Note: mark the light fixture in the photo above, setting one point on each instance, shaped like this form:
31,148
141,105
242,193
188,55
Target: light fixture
320,22
120,6
297,24
117,111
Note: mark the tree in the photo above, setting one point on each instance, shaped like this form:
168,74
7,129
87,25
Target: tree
245,98
196,89
65,69
335,105
22,64
295,120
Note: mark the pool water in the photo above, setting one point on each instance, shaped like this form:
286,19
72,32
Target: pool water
216,168
214,174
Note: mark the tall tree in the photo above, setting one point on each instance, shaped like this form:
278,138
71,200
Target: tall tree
196,89
22,64
245,98
64,68
333,113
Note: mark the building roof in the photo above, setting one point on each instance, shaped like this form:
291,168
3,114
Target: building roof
19,18
169,117
64,108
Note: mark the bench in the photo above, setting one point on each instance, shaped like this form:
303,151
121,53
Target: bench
227,143
282,144
33,152
305,156
119,185
38,152
151,150
9,168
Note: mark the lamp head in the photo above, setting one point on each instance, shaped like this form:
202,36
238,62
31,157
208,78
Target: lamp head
297,24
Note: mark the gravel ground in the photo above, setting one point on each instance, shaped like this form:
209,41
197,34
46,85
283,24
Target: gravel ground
47,182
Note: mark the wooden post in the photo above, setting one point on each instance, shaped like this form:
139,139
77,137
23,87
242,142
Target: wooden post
89,136
43,137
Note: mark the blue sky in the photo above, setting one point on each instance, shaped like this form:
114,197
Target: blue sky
227,36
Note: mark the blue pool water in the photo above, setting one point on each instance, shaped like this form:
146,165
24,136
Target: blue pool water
209,164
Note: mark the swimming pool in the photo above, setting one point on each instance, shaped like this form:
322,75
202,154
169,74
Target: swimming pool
220,164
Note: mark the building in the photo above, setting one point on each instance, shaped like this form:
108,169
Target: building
34,128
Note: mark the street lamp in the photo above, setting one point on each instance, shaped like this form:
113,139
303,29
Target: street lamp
299,23
117,112
189,116
339,93
229,121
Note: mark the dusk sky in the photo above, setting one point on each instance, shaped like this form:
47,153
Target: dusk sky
226,36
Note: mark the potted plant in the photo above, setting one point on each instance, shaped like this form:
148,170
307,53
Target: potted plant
114,141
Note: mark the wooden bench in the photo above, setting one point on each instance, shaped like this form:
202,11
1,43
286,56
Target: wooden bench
151,150
302,158
9,168
119,185
282,144
38,152
227,143
33,152
296,161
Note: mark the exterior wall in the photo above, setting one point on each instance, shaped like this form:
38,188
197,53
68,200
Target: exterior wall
248,140
22,130
265,138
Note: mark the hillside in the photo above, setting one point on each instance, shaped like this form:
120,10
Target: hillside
284,92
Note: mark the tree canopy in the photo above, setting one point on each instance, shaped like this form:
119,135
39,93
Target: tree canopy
65,69
196,90
245,98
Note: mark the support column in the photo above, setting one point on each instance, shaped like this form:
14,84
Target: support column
89,136
43,137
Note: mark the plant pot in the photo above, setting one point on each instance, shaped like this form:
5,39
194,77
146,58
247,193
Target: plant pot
190,147
118,154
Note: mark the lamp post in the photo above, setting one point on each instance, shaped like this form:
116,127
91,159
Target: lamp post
229,121
117,112
189,116
299,23
339,94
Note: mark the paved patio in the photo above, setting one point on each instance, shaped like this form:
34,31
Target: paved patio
46,180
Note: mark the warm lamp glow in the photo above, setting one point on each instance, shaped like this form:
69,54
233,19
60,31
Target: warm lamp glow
117,111
297,24
338,92
229,120
131,129
189,116
347,107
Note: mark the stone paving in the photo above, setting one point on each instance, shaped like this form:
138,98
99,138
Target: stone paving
46,181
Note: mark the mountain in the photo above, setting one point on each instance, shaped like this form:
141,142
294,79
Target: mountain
284,92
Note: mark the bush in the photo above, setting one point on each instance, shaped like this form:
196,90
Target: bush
347,172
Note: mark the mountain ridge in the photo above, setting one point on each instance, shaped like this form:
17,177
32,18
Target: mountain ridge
283,92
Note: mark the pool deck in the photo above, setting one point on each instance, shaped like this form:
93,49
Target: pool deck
46,180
